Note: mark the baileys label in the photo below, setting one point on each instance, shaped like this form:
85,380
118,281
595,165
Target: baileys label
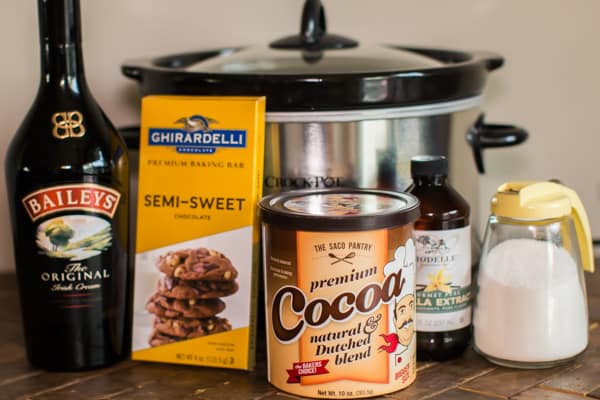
74,236
85,197
72,228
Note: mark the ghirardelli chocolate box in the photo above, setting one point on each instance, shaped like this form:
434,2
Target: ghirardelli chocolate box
200,178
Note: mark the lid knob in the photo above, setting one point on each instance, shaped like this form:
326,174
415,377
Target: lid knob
313,37
313,25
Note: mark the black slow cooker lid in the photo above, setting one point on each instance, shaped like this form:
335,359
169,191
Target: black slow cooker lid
349,63
315,70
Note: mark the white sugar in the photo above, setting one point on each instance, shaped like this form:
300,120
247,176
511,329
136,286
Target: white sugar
530,305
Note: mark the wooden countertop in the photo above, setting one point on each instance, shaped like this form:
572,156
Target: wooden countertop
469,377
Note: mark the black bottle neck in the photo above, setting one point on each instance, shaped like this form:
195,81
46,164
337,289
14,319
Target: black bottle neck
60,45
436,180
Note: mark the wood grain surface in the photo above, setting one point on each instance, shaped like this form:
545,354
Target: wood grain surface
469,377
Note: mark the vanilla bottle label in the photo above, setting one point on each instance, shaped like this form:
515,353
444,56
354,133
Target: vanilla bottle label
443,279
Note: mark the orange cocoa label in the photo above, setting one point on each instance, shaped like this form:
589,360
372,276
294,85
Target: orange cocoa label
340,311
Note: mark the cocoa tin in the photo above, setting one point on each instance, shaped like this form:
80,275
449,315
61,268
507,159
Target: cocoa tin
339,275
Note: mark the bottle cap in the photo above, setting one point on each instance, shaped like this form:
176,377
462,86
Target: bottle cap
537,202
429,166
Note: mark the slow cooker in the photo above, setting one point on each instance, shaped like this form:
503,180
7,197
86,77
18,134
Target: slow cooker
343,113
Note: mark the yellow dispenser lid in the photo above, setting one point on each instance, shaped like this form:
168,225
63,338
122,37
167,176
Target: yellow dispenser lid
533,201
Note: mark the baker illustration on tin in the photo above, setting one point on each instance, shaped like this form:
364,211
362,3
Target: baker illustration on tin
404,306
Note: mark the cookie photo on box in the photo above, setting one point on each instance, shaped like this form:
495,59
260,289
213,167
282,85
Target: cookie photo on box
192,289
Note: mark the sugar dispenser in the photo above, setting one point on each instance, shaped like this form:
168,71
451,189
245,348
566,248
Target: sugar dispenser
530,310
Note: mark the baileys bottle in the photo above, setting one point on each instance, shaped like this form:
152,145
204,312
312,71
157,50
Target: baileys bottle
67,177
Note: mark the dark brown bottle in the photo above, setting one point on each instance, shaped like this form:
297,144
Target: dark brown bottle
67,179
443,253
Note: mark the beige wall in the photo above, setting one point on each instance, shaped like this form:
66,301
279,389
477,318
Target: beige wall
549,84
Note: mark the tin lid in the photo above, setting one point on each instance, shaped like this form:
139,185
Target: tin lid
340,209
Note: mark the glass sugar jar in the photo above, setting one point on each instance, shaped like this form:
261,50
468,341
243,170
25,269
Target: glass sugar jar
531,309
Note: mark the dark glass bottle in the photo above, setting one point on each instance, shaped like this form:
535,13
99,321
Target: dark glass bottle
67,179
442,238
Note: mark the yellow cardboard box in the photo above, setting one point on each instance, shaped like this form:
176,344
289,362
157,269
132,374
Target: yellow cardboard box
197,235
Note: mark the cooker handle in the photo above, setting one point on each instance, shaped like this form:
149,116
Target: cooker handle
131,136
132,72
481,136
491,60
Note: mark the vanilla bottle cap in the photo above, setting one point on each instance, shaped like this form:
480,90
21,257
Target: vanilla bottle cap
429,166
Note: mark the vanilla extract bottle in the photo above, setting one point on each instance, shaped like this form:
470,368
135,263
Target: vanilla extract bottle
67,179
443,253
